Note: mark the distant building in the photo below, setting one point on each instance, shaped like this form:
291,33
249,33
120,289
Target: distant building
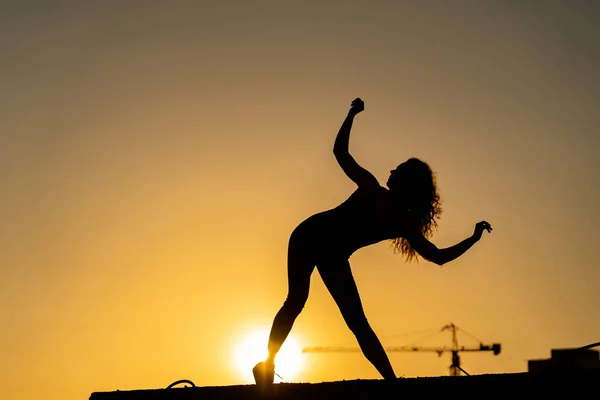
567,360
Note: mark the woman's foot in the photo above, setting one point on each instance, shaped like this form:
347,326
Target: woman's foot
264,373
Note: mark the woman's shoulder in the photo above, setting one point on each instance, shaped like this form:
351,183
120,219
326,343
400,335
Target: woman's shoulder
372,189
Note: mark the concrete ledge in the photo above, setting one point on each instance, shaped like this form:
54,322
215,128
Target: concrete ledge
581,384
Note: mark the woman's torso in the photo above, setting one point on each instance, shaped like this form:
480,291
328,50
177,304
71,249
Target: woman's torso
365,218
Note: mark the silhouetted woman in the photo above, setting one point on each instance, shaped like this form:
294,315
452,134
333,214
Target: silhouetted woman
405,213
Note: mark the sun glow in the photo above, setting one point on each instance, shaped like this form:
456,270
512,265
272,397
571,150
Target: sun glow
253,349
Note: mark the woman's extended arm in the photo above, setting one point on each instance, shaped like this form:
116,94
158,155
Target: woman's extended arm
442,256
351,168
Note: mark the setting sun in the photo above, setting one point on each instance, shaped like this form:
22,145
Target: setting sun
252,349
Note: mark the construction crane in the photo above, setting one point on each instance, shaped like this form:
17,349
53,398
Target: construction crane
454,349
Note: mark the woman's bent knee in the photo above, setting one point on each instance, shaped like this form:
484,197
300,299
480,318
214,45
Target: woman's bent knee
293,306
359,325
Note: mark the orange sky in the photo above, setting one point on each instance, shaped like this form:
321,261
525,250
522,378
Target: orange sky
155,158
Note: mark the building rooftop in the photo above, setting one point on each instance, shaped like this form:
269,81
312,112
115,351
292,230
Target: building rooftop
573,383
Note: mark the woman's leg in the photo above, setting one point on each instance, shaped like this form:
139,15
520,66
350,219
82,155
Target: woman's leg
338,279
300,268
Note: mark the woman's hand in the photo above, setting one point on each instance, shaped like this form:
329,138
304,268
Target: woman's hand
479,228
357,106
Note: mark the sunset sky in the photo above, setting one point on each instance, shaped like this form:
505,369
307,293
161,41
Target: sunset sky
156,155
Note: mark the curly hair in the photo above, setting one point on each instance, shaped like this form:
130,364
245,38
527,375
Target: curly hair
423,202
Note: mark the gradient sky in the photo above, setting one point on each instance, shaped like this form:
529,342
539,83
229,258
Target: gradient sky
156,155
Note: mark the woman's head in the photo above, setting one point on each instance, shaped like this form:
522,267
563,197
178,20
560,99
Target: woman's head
413,186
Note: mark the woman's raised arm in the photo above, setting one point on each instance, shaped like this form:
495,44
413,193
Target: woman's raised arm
351,168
